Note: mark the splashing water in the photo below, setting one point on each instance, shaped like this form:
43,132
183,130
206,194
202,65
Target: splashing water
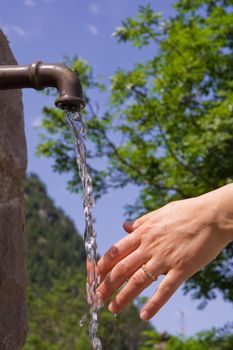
77,128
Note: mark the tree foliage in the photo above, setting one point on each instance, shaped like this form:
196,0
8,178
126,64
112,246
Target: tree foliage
57,280
214,339
169,125
55,248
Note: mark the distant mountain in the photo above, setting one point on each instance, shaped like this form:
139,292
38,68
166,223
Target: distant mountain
57,278
55,248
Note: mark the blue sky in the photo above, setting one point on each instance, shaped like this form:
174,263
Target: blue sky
47,30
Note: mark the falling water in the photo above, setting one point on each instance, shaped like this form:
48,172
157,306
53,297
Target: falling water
76,125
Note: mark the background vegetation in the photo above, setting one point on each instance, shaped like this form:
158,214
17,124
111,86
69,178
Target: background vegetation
57,298
168,129
57,279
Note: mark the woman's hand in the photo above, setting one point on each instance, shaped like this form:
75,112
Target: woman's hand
176,240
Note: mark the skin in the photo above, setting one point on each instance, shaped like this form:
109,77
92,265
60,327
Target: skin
176,240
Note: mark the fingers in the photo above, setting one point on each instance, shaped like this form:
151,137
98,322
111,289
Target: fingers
116,253
91,270
165,290
119,274
130,226
136,284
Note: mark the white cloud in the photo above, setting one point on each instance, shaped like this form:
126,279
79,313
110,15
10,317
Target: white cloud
93,30
29,2
19,31
5,28
37,122
95,9
10,29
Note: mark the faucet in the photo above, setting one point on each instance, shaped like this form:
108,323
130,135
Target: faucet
39,75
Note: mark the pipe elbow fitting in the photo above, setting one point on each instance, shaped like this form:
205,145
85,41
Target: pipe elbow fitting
63,79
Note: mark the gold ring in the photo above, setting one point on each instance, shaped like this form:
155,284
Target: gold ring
148,273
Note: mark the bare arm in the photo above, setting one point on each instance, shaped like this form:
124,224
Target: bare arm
176,240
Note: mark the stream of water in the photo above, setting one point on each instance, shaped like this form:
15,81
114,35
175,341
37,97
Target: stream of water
77,128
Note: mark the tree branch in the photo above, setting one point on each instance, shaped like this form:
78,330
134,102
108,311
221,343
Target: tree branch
131,167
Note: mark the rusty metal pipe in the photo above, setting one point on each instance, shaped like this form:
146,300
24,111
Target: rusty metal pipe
40,75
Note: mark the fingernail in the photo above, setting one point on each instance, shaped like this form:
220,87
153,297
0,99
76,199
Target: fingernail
110,307
144,315
128,225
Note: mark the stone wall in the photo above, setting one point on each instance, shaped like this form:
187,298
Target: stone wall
13,160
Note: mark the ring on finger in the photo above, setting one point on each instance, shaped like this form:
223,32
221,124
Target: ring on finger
148,273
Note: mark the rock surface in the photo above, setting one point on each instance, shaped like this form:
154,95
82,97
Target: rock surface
13,161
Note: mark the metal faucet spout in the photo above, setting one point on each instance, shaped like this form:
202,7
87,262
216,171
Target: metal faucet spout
39,75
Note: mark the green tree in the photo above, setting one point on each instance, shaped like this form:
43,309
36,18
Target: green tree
214,339
57,283
169,126
54,320
55,248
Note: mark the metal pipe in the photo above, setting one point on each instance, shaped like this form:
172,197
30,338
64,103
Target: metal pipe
39,75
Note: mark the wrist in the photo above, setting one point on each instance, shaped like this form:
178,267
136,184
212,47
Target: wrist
221,204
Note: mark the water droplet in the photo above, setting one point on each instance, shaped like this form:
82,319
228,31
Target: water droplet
82,320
